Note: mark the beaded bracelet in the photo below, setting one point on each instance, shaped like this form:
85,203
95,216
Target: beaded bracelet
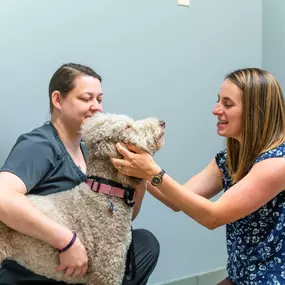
69,245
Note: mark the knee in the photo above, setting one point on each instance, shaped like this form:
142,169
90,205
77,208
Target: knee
151,243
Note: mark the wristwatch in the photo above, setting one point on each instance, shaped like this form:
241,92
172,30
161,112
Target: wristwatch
156,180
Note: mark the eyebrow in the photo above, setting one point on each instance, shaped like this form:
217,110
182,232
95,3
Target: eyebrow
92,94
225,98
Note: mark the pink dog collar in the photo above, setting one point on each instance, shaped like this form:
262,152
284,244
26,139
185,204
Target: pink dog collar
105,188
112,189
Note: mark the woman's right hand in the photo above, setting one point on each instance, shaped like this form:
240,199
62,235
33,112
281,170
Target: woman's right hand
74,261
136,162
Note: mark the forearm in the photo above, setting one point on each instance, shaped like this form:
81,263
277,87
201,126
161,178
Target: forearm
195,206
18,213
140,164
162,198
136,211
140,192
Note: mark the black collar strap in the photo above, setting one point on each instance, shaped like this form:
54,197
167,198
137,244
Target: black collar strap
100,186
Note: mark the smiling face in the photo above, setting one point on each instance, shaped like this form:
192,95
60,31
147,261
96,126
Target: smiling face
82,102
229,111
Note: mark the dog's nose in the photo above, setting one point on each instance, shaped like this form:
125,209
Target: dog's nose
162,123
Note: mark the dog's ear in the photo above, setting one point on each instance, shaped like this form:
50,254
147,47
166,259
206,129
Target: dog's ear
103,149
128,134
132,135
103,131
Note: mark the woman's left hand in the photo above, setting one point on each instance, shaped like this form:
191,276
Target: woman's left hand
136,162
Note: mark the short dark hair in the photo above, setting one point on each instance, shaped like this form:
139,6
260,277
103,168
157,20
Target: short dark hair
63,79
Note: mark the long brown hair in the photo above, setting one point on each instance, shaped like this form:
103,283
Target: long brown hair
263,119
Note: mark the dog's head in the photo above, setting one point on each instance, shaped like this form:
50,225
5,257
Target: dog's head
103,131
147,134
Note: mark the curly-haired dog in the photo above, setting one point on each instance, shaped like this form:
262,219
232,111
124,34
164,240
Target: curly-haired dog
102,221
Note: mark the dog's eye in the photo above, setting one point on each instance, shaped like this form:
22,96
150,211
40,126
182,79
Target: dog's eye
128,126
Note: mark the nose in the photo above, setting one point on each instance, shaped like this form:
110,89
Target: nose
217,110
95,107
162,123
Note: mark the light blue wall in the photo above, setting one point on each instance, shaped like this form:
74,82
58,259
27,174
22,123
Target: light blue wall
156,58
273,42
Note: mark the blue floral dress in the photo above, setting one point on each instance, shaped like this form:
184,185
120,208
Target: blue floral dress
256,243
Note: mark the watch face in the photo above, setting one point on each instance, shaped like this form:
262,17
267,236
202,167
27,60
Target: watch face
156,180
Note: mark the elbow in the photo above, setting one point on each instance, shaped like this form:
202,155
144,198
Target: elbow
211,226
175,209
214,219
213,223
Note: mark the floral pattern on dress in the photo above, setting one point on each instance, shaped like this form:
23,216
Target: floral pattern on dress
256,243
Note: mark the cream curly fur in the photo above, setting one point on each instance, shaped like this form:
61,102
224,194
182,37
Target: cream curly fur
106,236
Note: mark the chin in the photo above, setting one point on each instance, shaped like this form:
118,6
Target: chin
224,135
228,136
221,134
85,120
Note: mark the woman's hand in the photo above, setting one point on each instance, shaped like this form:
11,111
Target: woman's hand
136,163
74,261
